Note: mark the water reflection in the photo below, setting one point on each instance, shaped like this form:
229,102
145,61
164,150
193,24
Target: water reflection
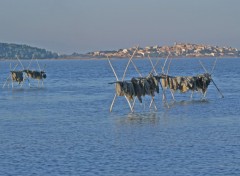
188,102
138,118
177,109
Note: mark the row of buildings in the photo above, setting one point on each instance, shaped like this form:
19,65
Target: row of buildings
177,50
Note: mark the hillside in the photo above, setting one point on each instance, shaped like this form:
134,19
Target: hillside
10,51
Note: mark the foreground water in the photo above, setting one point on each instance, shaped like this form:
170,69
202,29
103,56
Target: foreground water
65,128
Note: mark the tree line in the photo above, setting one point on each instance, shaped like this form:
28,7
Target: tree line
11,51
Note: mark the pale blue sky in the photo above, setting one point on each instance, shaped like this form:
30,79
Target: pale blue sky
67,26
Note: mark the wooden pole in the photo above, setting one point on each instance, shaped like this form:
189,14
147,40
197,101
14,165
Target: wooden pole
153,102
136,68
115,96
22,68
131,108
10,65
152,65
38,64
124,74
113,101
30,63
6,80
165,64
214,65
217,88
134,103
20,62
169,65
203,66
113,69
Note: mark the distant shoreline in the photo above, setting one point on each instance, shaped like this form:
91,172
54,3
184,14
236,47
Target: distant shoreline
139,58
119,58
177,50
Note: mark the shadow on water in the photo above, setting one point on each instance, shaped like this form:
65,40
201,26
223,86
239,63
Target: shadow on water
188,102
138,118
18,94
152,116
164,114
29,90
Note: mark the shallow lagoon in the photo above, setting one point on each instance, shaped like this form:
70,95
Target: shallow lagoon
65,128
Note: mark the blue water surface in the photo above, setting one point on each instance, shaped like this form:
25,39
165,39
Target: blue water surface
65,127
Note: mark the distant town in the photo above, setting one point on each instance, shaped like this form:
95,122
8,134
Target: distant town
177,50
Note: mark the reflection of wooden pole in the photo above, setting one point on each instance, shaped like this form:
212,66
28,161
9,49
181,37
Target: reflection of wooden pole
114,98
172,95
204,94
153,102
191,95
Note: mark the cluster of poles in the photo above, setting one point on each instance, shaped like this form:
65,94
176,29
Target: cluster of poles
142,86
19,76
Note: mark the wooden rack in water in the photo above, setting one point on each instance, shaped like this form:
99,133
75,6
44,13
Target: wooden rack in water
25,74
141,86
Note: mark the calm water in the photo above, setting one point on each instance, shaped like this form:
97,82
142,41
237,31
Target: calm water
65,128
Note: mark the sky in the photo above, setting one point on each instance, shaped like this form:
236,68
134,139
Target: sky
67,26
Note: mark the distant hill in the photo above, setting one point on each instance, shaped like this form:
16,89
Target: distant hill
10,51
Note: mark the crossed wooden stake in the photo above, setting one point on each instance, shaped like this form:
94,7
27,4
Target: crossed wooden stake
33,74
163,76
23,74
207,74
123,77
131,105
16,76
210,74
